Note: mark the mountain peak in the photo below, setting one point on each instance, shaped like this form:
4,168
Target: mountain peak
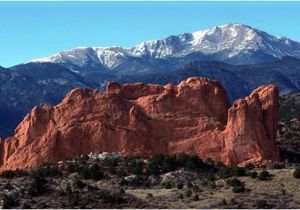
233,43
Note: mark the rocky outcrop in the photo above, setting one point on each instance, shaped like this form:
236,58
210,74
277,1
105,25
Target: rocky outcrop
139,119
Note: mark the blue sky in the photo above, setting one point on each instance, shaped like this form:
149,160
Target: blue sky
36,29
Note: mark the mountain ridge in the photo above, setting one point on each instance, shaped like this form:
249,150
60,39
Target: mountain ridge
230,43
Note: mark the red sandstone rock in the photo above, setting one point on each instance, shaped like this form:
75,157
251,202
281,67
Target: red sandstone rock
137,119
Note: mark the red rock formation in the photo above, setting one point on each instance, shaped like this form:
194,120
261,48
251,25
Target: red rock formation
193,117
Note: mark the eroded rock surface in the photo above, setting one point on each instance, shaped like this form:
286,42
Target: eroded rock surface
139,119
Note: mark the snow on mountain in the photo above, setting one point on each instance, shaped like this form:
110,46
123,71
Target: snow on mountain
231,43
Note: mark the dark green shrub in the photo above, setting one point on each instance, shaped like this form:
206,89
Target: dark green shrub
261,204
196,197
237,185
149,195
122,172
211,177
196,189
73,167
249,166
192,163
137,181
278,166
82,159
37,186
212,185
188,193
223,202
122,191
169,164
8,202
189,184
234,182
224,172
113,198
111,162
9,174
263,175
134,166
161,164
253,174
78,183
166,163
179,185
296,173
152,168
238,171
26,206
94,172
166,185
238,189
146,184
47,171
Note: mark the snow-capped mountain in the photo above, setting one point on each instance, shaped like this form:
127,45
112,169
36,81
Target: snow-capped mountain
230,43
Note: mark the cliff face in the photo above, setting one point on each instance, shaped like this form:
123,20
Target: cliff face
137,119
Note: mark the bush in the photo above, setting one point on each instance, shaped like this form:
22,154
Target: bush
149,195
37,186
179,186
238,189
188,193
82,159
153,168
122,191
212,185
73,167
237,185
169,164
224,172
26,206
111,162
180,196
162,164
166,163
196,189
8,202
263,175
253,174
9,174
122,172
94,172
278,166
238,171
211,177
261,204
113,198
136,181
249,166
134,166
192,162
77,183
196,197
297,173
189,184
47,171
166,185
223,202
234,182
